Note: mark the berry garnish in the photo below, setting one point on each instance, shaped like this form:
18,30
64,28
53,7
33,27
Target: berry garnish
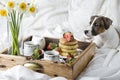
68,36
51,46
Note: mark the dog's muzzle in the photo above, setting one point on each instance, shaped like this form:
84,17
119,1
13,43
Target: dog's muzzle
87,34
86,31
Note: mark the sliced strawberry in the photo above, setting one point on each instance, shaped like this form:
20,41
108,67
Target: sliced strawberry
68,36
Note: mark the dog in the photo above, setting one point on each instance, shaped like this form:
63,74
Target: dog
102,33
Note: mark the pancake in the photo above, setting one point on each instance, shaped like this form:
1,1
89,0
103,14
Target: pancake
75,46
69,51
63,41
65,54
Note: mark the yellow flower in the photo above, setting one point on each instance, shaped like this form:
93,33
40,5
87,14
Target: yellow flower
3,12
22,6
10,4
32,9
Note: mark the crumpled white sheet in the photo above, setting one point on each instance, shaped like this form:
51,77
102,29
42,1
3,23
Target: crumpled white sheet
104,66
51,14
22,73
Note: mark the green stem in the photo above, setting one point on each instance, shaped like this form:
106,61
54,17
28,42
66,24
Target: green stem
14,25
15,44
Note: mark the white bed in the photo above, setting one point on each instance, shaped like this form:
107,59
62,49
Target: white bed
55,17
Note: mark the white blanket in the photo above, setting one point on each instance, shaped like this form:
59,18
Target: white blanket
104,66
53,19
21,73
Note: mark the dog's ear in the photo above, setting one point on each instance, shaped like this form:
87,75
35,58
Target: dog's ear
107,22
92,18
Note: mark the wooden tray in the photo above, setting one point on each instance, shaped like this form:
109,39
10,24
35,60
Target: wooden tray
70,71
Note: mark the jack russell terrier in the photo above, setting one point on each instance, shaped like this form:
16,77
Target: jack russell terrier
102,32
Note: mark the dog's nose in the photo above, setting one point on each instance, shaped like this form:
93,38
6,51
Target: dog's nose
86,31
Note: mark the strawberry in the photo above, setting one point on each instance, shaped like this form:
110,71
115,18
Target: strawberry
40,52
51,46
68,36
48,47
70,56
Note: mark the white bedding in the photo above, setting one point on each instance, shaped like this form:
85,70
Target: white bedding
57,16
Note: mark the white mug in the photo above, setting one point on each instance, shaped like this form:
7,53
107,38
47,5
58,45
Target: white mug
38,40
29,48
51,55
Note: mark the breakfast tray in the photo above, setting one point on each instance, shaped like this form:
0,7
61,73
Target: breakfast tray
70,71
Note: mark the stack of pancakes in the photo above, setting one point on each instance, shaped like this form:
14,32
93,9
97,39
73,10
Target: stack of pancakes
68,47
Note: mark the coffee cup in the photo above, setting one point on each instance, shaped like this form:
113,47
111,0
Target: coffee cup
29,48
51,55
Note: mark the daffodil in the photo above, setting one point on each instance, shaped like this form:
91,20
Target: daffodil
10,4
3,12
32,9
23,6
